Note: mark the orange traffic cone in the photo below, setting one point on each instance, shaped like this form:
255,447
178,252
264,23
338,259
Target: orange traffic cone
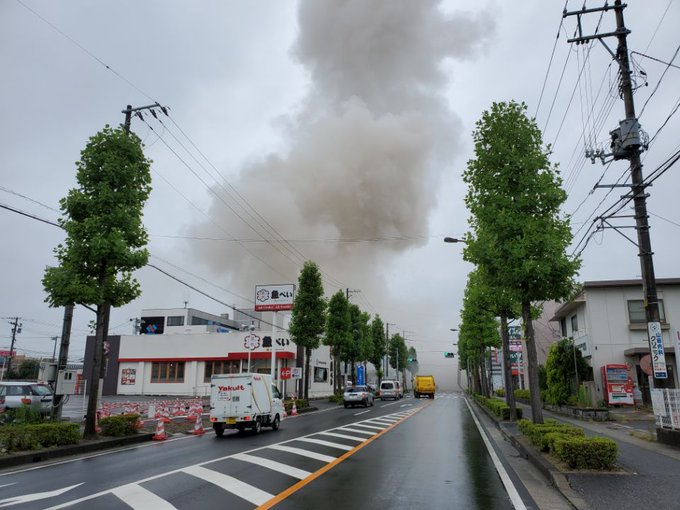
160,431
293,411
198,425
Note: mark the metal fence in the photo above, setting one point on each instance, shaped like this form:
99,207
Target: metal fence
666,403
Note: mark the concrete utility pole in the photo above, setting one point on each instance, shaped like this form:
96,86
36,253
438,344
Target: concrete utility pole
628,143
16,328
387,347
63,357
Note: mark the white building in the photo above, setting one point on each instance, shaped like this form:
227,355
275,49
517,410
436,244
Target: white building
607,322
179,349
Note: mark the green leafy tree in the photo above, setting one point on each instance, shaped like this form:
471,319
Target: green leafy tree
29,369
561,367
478,330
518,235
105,238
308,318
398,353
358,349
338,332
377,334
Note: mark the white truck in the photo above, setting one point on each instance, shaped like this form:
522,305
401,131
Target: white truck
244,401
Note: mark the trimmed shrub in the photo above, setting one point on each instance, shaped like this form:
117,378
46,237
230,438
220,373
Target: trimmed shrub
586,452
538,433
498,407
500,392
40,435
522,394
119,425
335,398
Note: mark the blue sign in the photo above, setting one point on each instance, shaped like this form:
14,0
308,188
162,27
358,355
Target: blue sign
360,376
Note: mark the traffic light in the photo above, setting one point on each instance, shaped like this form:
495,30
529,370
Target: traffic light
448,354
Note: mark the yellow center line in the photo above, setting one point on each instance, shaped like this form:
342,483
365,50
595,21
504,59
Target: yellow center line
316,474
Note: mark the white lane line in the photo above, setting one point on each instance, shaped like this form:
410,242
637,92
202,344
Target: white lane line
326,443
382,422
375,427
515,498
347,429
229,483
273,465
344,436
362,412
304,453
140,498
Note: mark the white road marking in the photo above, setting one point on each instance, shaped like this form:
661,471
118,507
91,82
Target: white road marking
15,500
515,498
229,483
139,498
327,443
347,429
343,436
381,422
376,427
362,412
304,453
273,465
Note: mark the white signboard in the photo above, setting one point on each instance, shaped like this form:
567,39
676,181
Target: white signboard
273,298
297,372
658,403
656,350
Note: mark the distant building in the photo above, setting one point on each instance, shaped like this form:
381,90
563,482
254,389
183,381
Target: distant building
178,350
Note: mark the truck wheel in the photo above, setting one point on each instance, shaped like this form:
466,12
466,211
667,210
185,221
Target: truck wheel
257,427
219,429
415,394
276,423
346,405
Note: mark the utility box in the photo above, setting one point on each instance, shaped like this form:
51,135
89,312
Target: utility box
66,382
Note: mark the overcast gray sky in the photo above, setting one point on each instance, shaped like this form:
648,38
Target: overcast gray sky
335,131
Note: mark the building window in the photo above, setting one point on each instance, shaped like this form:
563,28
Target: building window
320,374
563,327
574,324
176,320
636,311
220,367
170,372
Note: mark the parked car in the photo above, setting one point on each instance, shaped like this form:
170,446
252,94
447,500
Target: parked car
17,394
390,389
358,395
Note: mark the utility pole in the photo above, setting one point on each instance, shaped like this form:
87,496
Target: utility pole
628,143
63,357
16,328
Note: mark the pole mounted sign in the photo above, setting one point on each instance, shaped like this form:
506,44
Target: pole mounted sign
656,350
274,298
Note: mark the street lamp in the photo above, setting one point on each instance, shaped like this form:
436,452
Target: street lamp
251,328
454,240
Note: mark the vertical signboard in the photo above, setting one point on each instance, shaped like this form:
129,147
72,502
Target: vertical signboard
361,380
656,350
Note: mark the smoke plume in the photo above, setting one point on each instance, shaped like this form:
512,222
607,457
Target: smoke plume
367,147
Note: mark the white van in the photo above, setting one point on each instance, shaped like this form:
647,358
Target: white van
390,389
244,401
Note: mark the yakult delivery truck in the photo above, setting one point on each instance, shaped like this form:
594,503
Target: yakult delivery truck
244,401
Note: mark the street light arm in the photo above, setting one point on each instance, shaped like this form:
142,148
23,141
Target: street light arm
454,240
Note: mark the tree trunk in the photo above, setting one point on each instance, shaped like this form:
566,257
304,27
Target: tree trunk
532,363
93,387
483,374
507,368
337,386
308,355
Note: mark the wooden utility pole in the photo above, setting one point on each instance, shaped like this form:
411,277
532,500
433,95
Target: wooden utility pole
628,143
16,328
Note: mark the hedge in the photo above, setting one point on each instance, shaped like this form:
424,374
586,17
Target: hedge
498,407
38,435
522,394
569,444
120,425
586,452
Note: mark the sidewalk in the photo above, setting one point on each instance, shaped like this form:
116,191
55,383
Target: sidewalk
649,476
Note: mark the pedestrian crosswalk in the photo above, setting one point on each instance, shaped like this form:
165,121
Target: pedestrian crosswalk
253,477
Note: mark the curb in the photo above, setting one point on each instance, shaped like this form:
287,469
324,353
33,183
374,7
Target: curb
557,478
33,457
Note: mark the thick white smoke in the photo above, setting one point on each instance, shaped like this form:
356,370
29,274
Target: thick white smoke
367,148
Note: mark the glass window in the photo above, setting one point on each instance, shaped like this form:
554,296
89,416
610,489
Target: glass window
636,311
167,372
320,374
275,392
574,324
563,327
220,367
176,320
